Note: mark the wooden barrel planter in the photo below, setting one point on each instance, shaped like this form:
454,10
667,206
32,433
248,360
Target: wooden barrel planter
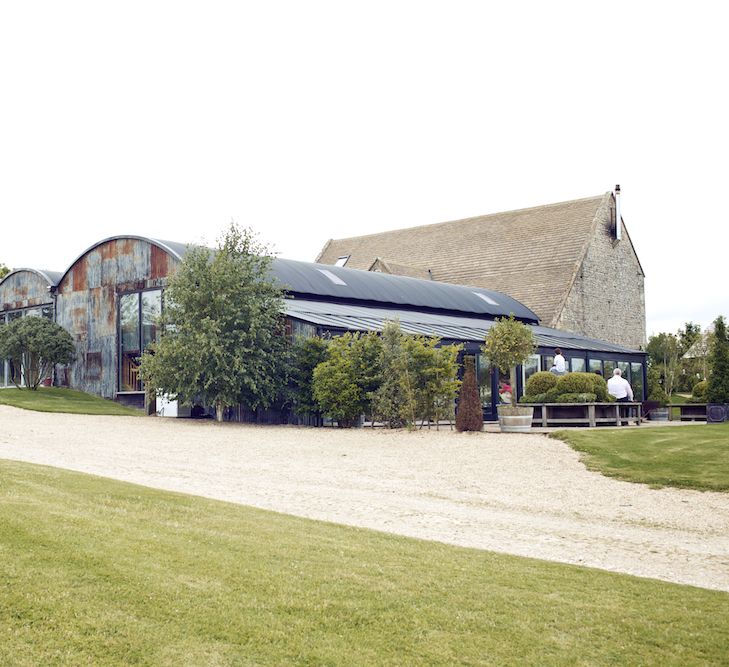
515,419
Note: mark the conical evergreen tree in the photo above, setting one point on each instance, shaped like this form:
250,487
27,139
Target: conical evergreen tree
718,388
470,415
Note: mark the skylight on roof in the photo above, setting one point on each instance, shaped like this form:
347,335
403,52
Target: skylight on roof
487,299
341,261
335,279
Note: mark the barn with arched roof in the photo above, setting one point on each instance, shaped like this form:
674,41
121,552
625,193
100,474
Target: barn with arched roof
111,296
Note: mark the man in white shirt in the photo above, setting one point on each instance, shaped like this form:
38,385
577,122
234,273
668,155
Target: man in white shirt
620,387
560,366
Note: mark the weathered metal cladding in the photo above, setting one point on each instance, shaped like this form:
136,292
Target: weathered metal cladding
23,289
87,305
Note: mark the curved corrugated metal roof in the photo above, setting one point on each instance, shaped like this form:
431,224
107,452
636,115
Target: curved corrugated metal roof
51,277
353,285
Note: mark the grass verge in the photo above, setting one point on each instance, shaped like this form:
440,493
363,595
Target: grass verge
58,399
94,571
690,456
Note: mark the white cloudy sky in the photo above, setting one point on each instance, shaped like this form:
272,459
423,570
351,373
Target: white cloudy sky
311,120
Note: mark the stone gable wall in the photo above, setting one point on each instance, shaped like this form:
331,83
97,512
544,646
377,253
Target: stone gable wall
607,300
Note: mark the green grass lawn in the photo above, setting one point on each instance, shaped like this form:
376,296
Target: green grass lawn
57,399
98,572
689,456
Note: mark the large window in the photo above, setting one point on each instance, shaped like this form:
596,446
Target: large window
530,366
577,365
636,380
483,376
596,366
138,327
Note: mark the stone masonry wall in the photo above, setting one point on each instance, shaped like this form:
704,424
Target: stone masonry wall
607,300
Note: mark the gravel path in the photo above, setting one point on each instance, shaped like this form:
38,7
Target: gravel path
518,494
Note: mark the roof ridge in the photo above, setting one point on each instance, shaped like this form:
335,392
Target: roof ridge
450,222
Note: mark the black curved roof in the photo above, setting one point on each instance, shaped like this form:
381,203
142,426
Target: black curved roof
342,285
309,279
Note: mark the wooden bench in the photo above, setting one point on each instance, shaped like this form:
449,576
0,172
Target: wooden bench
585,414
689,411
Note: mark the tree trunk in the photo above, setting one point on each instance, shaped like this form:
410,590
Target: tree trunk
512,378
219,410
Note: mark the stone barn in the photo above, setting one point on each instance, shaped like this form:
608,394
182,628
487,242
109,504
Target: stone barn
572,263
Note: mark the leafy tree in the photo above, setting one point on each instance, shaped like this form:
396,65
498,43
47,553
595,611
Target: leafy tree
393,402
4,270
470,414
35,345
664,352
222,340
306,355
718,387
366,352
335,385
509,343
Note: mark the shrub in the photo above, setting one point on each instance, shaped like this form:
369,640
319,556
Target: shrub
659,396
535,398
583,383
470,415
576,398
552,396
699,389
540,383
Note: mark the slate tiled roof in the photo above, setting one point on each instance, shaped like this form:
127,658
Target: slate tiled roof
531,254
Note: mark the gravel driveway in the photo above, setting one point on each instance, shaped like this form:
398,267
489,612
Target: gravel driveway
518,494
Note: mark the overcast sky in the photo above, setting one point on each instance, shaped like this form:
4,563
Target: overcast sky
313,120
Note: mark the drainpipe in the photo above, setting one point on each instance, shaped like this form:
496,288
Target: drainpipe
618,218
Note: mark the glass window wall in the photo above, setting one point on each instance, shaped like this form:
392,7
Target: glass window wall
636,381
577,365
138,326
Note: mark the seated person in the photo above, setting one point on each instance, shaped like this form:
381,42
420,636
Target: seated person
619,387
559,366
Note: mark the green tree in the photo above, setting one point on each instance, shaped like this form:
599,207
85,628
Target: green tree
4,270
335,385
306,355
718,387
394,400
470,414
664,352
366,352
509,343
35,345
222,340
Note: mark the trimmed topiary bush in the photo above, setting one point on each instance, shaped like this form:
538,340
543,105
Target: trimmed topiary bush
576,398
536,398
584,383
540,383
470,413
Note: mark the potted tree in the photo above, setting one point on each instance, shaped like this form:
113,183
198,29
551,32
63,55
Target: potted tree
508,344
